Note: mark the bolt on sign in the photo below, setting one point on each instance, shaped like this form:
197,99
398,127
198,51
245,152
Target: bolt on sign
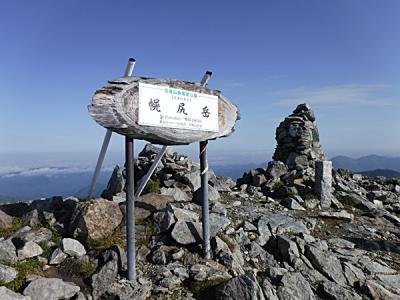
166,112
177,108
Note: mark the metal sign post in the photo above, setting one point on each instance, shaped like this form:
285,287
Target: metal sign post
204,186
128,72
130,208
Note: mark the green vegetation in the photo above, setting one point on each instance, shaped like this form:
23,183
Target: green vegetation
349,200
24,268
16,224
310,196
277,185
153,186
113,239
47,250
86,269
198,287
393,181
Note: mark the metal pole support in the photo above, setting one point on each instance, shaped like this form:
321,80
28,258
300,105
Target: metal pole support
128,72
204,185
204,195
130,209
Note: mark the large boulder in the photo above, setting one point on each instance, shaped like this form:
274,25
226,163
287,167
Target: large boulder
95,219
5,220
6,294
7,274
50,288
7,251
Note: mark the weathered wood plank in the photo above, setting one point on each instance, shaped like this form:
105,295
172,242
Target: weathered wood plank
116,106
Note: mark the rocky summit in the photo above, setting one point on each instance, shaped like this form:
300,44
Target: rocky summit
295,229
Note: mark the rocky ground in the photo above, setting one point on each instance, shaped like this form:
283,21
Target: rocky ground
272,237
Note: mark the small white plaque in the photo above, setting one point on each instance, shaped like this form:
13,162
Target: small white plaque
164,106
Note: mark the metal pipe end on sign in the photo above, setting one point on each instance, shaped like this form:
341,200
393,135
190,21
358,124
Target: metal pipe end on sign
206,78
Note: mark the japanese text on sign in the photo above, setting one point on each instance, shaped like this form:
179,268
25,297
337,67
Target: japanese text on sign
164,106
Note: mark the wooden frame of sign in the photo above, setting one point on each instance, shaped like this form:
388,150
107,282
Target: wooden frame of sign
116,107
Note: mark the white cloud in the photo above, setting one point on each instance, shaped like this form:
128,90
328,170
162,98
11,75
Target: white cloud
7,172
348,94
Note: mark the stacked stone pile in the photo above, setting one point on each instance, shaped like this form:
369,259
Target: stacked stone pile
298,145
175,175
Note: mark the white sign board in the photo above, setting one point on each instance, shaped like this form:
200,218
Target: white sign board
164,106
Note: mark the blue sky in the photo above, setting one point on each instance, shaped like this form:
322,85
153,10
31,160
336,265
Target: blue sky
267,56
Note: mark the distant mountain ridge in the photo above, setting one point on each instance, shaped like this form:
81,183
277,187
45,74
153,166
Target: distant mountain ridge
381,172
366,163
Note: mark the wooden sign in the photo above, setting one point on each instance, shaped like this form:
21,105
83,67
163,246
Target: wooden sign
167,112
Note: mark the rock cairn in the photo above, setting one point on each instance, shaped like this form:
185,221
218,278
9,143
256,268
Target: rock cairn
298,168
298,145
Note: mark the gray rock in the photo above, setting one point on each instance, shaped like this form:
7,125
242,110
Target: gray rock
31,218
373,267
149,150
213,195
269,290
218,223
7,251
292,204
6,294
192,179
72,247
340,215
258,180
29,250
323,182
50,288
170,282
239,288
287,249
5,220
7,273
105,275
341,243
224,184
353,274
186,233
36,235
276,169
249,227
127,290
177,193
280,223
326,263
391,282
115,185
57,257
164,219
158,257
95,219
184,214
334,291
376,291
181,272
293,286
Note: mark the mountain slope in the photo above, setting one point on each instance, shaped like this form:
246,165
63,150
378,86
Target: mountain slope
370,162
